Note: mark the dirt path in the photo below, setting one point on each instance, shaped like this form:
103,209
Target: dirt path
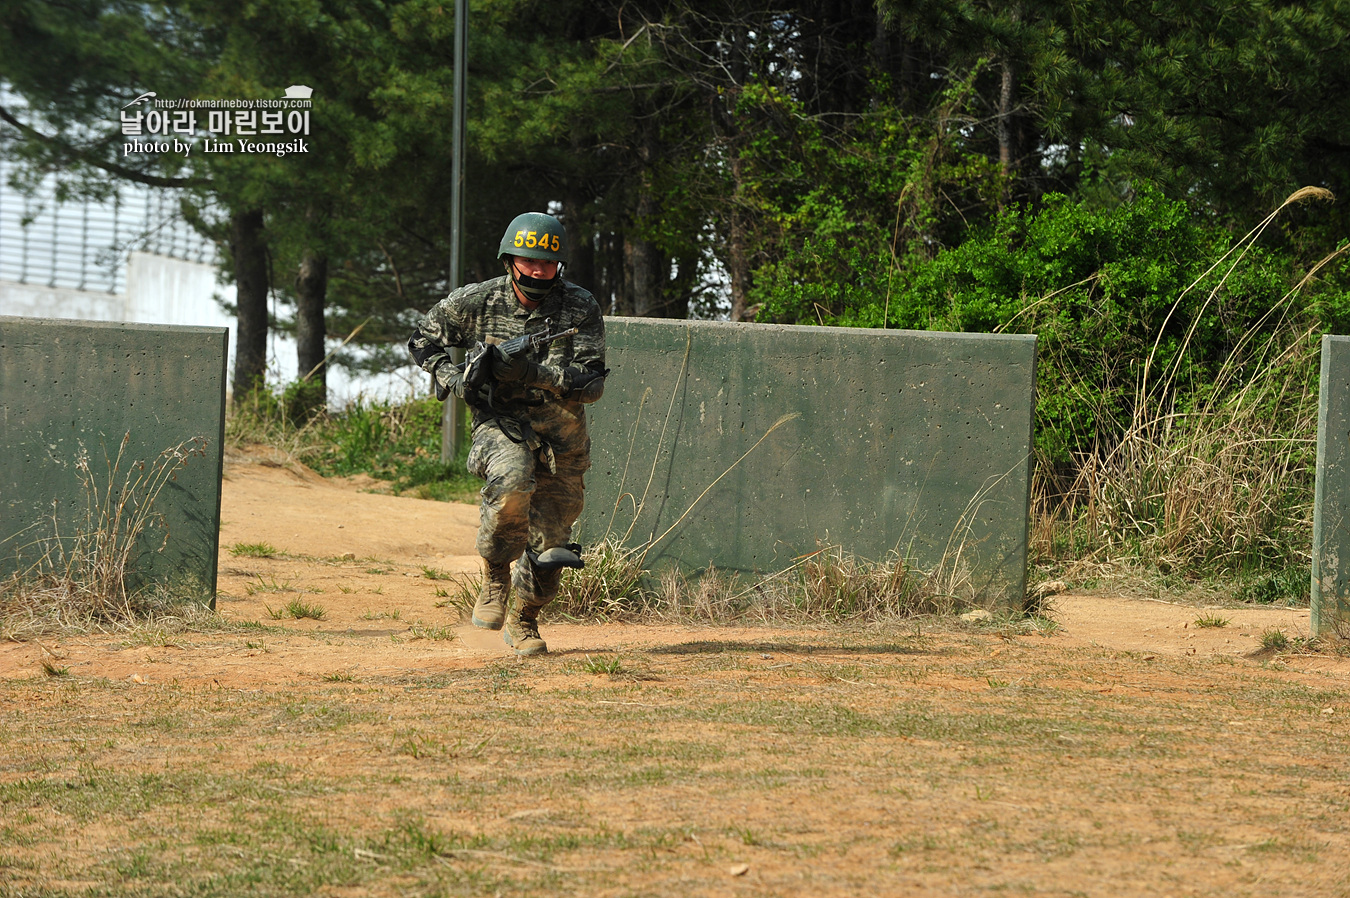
387,749
368,561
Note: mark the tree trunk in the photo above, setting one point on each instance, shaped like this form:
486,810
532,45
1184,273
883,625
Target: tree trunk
644,280
1007,149
581,254
311,293
738,261
1009,152
609,272
248,249
681,288
621,275
642,274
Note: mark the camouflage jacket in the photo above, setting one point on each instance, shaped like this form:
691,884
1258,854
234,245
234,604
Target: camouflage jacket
471,314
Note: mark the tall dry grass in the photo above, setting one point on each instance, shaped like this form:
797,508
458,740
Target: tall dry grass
88,577
830,585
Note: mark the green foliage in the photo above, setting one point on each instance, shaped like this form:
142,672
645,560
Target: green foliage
1112,295
1279,585
1176,371
840,207
397,443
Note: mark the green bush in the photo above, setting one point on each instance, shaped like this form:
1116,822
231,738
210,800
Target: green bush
398,442
1109,293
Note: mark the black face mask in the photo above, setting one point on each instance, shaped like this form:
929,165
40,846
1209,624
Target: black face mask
535,289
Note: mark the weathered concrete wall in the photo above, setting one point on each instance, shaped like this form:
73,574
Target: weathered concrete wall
900,441
71,388
1331,523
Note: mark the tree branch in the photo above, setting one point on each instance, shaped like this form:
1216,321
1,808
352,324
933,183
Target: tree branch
129,174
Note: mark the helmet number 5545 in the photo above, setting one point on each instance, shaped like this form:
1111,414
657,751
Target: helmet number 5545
532,239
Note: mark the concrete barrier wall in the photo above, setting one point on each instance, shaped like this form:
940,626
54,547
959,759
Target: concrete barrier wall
71,388
1331,535
894,441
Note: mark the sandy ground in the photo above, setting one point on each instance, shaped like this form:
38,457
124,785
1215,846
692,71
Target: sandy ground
385,570
1126,751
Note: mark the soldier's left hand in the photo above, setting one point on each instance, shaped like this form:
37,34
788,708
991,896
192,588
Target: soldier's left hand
510,369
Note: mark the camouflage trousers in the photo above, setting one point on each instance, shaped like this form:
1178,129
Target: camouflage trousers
525,503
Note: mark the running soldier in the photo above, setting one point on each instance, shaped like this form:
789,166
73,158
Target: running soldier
530,445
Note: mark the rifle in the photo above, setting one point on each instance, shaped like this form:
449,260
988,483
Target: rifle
477,365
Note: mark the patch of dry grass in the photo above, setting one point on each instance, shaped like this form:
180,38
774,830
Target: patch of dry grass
86,579
828,585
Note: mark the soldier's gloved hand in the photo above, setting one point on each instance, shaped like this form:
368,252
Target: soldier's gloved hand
478,368
448,379
516,369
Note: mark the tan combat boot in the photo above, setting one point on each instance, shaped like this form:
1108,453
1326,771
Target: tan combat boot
490,609
522,631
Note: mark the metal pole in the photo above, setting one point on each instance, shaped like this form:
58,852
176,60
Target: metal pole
453,414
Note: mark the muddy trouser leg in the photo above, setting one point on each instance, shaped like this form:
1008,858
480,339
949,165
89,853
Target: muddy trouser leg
508,472
554,508
556,504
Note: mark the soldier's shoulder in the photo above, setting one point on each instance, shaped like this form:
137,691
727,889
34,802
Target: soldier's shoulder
474,296
577,295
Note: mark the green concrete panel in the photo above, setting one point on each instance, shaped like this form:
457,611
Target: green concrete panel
68,388
1331,535
899,441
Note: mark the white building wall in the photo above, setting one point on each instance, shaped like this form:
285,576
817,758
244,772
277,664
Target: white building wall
39,301
163,290
133,258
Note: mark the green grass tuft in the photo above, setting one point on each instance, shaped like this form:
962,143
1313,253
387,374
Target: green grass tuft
297,609
253,550
1274,640
601,665
436,634
268,586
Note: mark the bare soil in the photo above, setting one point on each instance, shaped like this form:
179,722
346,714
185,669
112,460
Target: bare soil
368,559
1127,751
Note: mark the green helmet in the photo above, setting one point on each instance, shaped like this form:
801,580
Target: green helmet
535,235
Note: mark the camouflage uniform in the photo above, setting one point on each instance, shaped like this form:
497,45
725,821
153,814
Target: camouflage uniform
532,496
